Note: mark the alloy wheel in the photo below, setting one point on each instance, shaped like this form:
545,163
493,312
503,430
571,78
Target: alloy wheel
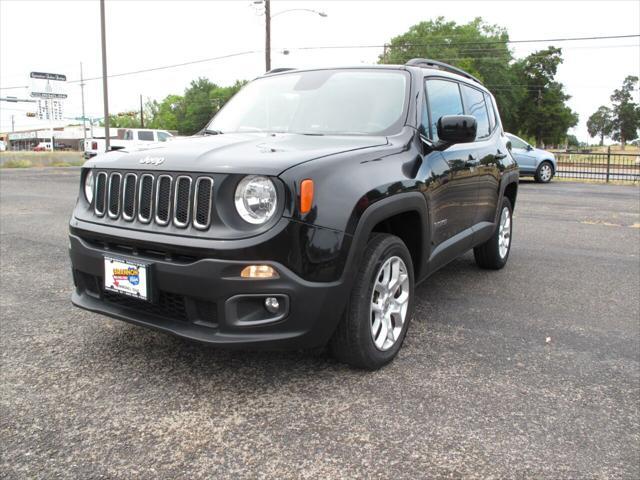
504,233
389,303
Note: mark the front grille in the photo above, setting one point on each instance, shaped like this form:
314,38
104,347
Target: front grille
145,198
129,199
202,208
101,191
165,199
182,201
114,195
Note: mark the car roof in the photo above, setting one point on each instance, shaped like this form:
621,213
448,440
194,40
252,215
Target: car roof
424,70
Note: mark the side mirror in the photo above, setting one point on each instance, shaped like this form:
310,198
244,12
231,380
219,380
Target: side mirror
529,147
457,129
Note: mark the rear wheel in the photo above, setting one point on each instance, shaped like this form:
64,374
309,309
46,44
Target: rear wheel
545,172
494,253
380,307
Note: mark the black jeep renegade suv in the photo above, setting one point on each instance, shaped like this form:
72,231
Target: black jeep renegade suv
303,214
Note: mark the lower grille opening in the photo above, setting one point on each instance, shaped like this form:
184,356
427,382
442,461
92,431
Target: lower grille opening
169,305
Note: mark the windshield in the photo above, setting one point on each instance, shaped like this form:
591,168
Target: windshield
318,102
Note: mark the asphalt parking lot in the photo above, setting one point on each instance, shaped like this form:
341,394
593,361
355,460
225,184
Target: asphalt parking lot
533,371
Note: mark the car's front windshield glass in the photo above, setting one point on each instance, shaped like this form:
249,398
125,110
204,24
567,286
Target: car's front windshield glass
348,102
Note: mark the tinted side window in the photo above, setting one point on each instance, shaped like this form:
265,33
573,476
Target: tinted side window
147,136
475,106
492,112
162,136
444,99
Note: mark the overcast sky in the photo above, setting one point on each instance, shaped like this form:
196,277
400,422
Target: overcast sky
55,36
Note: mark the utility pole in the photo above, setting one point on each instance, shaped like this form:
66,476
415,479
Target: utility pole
84,119
105,92
141,113
13,123
267,38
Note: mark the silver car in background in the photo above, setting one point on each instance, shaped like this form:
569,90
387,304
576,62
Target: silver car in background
540,164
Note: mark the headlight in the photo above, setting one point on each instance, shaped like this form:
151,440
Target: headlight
88,186
256,199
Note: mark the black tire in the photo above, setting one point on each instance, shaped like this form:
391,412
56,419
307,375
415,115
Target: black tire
545,172
353,342
488,254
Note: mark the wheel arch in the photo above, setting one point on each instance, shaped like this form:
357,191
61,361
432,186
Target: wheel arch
550,162
404,215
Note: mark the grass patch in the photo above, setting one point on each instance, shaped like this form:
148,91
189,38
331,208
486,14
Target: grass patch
19,163
40,159
67,164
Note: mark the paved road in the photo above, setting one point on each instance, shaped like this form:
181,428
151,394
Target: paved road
476,391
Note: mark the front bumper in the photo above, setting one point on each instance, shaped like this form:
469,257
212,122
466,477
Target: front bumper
203,300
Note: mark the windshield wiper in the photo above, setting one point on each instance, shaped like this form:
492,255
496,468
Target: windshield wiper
212,132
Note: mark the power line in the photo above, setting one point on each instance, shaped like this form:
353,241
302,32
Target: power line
325,47
445,44
153,69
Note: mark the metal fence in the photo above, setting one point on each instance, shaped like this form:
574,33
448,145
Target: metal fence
607,166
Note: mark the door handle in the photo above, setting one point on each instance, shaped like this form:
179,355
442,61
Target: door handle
500,155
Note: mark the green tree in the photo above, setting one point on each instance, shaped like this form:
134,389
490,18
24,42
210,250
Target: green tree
166,115
599,123
189,113
626,113
572,141
198,106
543,111
477,47
124,120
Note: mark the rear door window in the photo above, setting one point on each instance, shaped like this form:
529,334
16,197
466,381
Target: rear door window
492,112
475,106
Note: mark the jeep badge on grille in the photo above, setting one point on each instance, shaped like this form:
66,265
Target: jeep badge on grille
148,160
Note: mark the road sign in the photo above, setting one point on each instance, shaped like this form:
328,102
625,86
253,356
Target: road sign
58,77
48,95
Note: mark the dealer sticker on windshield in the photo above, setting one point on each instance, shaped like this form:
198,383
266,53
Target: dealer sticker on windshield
126,277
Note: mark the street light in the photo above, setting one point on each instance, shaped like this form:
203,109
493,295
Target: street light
268,17
317,12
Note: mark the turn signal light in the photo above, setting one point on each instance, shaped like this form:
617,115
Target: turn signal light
258,271
306,195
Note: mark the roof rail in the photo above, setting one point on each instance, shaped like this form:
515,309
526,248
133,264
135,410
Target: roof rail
278,70
428,63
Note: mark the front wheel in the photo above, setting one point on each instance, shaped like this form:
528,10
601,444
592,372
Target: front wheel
375,322
544,173
494,253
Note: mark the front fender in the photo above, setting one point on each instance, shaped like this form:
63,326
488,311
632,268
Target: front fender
380,211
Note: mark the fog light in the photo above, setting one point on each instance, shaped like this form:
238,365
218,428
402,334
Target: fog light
258,271
271,304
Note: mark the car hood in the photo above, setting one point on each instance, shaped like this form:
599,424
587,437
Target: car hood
248,153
